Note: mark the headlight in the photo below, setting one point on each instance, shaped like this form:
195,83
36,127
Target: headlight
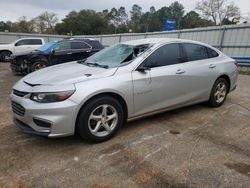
51,97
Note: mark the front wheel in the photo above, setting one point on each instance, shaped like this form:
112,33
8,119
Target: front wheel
4,55
38,65
100,119
219,92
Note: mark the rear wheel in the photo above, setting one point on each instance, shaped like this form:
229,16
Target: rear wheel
4,55
38,65
100,119
219,92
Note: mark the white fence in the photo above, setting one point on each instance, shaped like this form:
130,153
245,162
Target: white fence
6,37
234,40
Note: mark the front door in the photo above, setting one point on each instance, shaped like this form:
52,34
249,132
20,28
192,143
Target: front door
164,85
61,54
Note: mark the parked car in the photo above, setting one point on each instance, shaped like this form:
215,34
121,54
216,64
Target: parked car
53,53
127,81
20,46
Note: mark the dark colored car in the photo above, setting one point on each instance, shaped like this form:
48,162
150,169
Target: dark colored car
53,53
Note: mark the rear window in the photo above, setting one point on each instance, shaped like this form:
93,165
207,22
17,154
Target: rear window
95,44
195,52
212,53
79,45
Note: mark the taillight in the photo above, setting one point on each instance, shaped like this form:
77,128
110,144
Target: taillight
236,64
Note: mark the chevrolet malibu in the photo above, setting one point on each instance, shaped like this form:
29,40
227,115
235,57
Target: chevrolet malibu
95,96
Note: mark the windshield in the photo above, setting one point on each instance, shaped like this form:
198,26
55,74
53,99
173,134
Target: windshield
115,55
47,46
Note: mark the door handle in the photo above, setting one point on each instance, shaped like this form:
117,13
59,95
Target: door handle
180,71
69,53
211,66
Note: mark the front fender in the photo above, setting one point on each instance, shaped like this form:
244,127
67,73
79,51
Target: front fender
91,88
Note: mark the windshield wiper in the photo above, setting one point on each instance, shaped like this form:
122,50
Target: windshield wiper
83,61
98,65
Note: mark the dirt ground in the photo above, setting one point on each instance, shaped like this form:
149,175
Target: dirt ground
195,146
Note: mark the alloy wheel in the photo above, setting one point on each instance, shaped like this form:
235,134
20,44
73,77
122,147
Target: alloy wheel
39,66
103,120
220,92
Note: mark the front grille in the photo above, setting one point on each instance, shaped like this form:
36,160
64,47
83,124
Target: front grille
17,108
15,61
20,93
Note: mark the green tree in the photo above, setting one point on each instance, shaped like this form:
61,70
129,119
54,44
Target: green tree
150,21
136,15
85,22
176,11
118,19
6,26
192,20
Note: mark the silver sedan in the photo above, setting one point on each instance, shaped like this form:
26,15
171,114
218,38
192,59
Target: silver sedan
130,80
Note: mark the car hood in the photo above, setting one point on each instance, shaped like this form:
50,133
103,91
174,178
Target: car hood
25,53
66,73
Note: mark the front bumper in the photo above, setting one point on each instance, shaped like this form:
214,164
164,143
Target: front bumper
59,117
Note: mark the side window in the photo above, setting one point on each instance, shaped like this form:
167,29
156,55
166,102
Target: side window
95,44
195,52
35,41
79,45
22,42
62,46
29,42
212,53
166,55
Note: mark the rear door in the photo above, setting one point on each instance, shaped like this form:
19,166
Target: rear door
200,70
80,50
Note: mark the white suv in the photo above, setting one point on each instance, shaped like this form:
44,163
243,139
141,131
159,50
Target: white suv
19,46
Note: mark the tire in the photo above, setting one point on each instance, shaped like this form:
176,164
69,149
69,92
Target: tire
4,55
93,123
38,65
219,92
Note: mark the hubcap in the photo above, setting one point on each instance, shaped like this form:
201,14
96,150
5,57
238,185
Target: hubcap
220,92
103,120
40,66
6,56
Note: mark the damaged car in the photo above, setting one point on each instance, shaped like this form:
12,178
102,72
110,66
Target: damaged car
53,53
94,97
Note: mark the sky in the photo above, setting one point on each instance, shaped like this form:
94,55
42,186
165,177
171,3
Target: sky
14,9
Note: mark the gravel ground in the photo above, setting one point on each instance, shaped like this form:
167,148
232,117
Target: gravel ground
195,146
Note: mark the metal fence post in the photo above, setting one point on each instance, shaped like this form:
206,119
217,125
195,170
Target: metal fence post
179,34
222,37
120,37
101,39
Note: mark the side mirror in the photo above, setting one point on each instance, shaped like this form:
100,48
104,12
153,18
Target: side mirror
52,51
143,68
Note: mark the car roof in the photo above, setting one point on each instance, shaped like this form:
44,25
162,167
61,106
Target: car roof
159,41
80,39
30,38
